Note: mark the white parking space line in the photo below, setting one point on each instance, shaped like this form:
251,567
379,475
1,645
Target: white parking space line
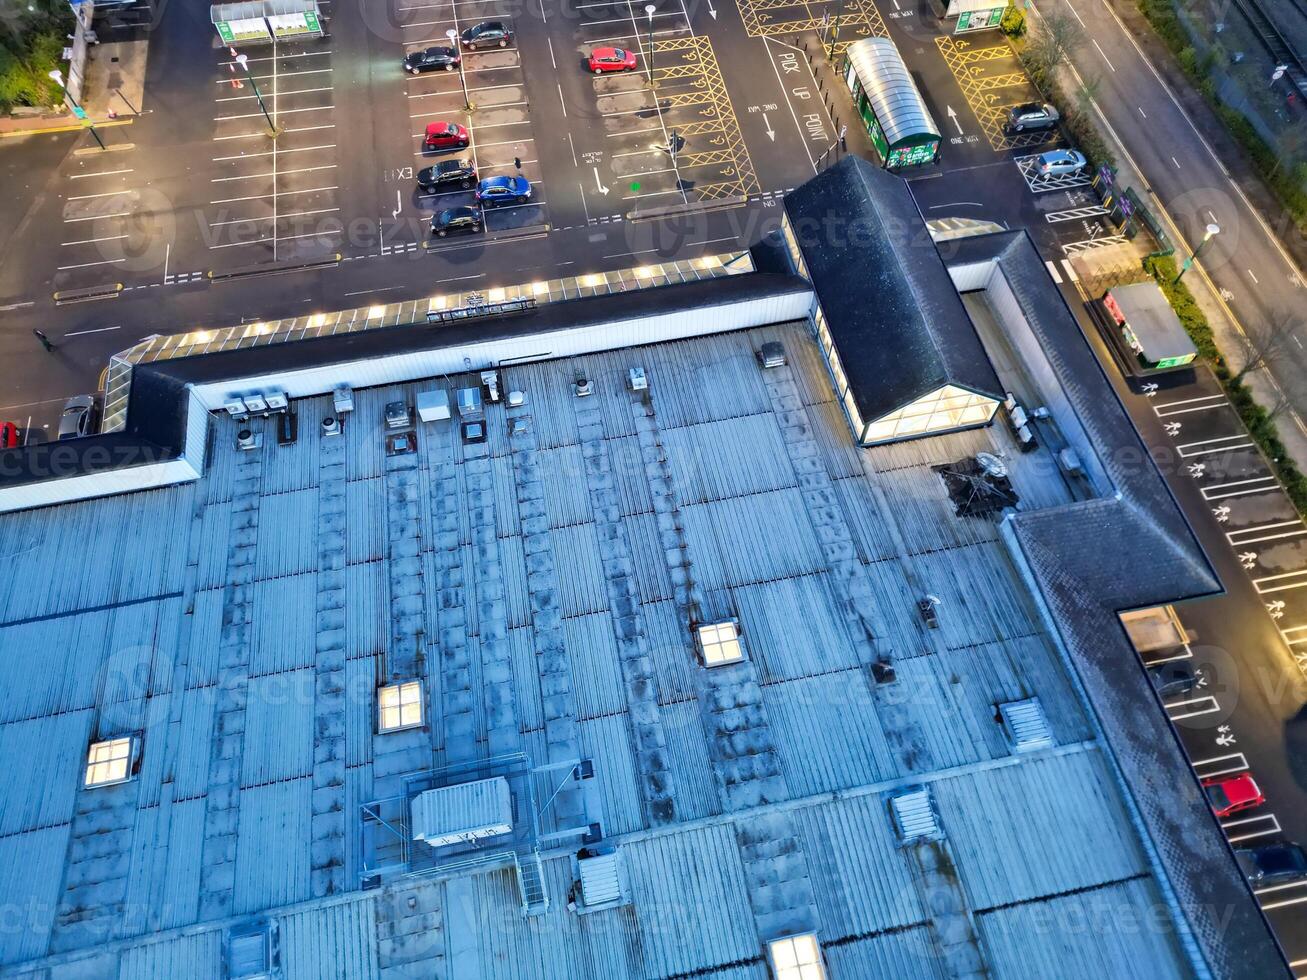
1052,271
87,265
1200,404
268,153
98,217
254,98
1294,640
268,217
1192,708
280,112
286,193
282,173
1274,531
1267,906
1186,654
265,78
1070,270
1267,822
88,197
1281,583
92,241
1272,889
1218,445
264,136
102,173
1221,765
1240,488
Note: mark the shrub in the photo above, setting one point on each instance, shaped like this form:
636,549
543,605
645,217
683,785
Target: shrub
1013,23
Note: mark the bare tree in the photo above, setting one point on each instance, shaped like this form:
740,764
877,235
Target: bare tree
1262,344
1051,45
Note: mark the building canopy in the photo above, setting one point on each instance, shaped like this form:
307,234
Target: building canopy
890,90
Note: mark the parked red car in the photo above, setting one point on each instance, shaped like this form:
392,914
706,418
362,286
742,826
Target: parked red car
611,59
446,136
8,435
1232,794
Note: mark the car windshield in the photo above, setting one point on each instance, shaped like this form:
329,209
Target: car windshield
1218,797
618,54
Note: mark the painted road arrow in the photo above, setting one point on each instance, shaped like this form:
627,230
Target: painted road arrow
771,133
599,183
954,116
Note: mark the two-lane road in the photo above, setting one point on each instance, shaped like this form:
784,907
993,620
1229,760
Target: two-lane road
1254,275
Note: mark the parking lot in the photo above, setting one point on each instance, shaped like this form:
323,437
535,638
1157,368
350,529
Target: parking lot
274,200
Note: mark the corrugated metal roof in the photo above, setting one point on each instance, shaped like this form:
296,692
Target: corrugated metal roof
890,89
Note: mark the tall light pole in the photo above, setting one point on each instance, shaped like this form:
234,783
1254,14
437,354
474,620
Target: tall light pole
244,62
78,111
1212,230
458,50
649,11
835,33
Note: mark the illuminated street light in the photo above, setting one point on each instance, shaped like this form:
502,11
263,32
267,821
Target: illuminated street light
1213,229
78,111
453,40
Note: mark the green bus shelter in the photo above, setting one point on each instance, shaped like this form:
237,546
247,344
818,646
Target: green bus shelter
891,107
255,21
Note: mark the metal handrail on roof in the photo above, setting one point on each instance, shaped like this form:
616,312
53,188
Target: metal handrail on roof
889,87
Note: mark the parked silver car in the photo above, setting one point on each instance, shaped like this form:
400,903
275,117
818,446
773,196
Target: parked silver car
1032,115
1055,163
77,416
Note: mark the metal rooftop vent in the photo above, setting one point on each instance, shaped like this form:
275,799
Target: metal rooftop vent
516,399
248,440
463,813
914,815
603,880
343,399
1027,728
583,387
637,380
252,951
772,354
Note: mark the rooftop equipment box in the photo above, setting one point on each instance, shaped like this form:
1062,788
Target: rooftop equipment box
433,405
463,813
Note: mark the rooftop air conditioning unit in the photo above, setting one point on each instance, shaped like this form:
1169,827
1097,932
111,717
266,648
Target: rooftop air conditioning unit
397,416
235,407
331,426
469,403
516,399
1070,461
463,813
603,879
583,387
276,400
254,403
343,399
433,406
636,379
247,440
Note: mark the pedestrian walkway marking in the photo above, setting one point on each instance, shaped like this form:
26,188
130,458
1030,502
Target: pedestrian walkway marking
1274,531
1281,583
1052,271
1075,214
1090,244
1220,444
1221,765
1070,270
1240,488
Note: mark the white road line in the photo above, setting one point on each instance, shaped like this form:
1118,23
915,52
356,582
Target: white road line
561,101
1103,53
268,217
259,115
1297,525
302,91
1301,582
1190,401
261,134
102,173
87,265
1141,111
1279,905
268,153
1070,270
98,217
1173,159
1052,271
1207,442
80,333
88,197
302,54
1185,411
264,78
1210,706
1253,277
1270,889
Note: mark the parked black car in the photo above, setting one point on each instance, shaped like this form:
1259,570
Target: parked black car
447,175
1273,863
456,220
1173,678
487,34
438,58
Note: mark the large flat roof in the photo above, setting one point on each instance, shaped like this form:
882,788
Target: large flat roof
541,585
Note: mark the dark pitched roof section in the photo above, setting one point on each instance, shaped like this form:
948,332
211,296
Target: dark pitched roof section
1097,558
898,324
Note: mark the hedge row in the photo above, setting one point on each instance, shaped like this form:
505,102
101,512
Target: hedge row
1287,184
1256,419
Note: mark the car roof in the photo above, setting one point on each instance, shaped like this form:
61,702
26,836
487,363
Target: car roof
503,180
442,127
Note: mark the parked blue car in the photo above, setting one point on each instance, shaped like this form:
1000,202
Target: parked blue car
503,190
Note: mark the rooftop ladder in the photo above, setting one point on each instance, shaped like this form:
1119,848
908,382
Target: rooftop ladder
531,884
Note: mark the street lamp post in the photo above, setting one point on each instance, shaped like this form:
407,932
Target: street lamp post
1213,229
649,10
453,40
835,33
244,62
78,111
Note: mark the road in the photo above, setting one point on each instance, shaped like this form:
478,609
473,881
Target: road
1255,277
